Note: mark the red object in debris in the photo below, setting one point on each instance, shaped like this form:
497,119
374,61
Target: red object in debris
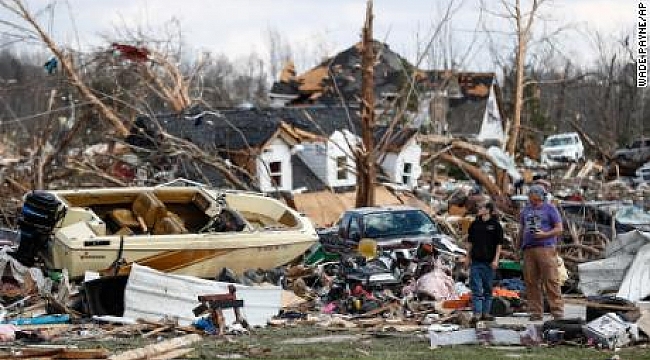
123,170
359,290
131,52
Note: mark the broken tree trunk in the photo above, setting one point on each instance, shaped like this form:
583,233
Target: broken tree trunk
604,154
365,155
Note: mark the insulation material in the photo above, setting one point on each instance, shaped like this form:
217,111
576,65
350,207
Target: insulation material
606,275
153,295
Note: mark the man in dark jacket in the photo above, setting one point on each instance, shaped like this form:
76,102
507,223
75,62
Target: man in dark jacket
485,237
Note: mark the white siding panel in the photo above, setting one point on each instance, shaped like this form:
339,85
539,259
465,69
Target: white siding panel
153,295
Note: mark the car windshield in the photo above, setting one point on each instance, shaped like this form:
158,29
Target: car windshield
558,141
398,223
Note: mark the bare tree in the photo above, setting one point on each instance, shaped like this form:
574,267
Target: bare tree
365,155
167,80
522,21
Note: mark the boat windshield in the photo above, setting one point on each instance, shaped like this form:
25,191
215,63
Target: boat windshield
398,223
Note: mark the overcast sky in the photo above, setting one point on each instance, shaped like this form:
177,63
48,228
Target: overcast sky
313,27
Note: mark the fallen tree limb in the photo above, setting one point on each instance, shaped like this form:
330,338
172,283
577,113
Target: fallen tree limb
590,141
475,173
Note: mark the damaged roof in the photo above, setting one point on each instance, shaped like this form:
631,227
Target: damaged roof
396,139
342,74
241,129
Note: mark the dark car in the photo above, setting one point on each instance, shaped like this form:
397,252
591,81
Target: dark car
634,154
396,226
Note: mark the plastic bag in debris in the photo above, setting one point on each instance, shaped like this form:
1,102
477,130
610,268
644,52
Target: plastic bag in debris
563,273
206,324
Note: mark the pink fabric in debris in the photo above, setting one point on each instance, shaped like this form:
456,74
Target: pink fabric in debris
8,332
438,285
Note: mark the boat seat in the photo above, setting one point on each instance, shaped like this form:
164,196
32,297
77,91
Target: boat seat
148,209
124,218
170,224
230,220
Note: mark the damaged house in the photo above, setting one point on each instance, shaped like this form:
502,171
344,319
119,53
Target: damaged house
294,149
452,103
462,105
258,145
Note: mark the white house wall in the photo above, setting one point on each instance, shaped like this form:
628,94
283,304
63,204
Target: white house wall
336,147
492,125
276,150
393,163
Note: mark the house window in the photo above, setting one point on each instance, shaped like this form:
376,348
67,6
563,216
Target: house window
341,168
275,172
406,173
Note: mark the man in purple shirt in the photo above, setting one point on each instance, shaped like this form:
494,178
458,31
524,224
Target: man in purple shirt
540,229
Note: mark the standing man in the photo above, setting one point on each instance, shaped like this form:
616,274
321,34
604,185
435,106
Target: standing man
485,237
540,228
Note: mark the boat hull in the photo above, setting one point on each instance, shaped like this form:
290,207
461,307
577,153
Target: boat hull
200,262
92,236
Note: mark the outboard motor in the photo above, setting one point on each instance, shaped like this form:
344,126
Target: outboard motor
40,213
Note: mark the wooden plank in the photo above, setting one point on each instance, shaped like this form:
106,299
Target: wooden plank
174,354
157,331
82,354
569,172
58,354
157,349
598,305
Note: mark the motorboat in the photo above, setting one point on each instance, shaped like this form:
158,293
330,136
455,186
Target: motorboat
189,230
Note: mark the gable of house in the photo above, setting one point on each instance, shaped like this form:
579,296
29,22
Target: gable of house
401,159
273,166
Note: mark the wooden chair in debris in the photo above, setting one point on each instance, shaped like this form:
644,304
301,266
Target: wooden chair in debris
215,303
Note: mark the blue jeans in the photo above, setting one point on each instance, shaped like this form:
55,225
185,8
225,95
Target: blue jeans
481,276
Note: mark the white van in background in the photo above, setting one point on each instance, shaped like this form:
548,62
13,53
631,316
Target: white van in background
562,148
